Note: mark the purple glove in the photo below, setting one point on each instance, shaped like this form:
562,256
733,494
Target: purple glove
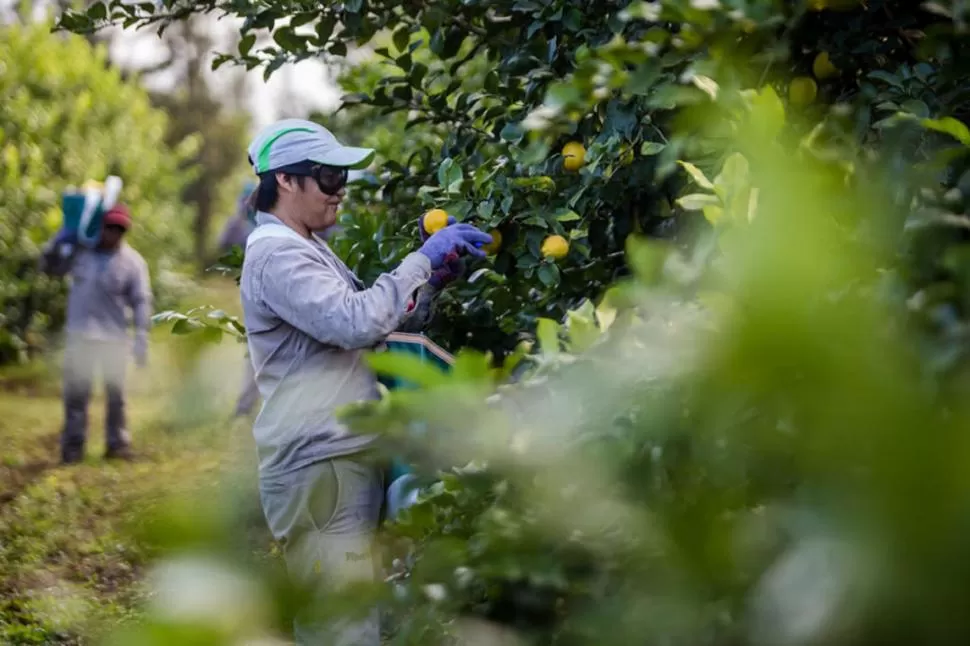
457,238
453,268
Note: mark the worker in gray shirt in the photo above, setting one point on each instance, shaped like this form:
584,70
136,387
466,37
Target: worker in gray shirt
105,283
309,321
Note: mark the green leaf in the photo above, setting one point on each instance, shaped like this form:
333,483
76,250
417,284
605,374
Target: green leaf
450,176
408,368
98,11
567,215
548,274
713,214
470,366
697,201
582,328
767,115
734,173
246,44
185,326
338,48
646,257
286,39
211,334
304,18
401,37
547,333
886,77
916,107
948,125
512,132
485,209
325,29
543,183
418,72
699,178
649,148
606,311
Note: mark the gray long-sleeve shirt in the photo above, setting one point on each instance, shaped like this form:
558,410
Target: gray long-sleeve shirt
308,321
109,291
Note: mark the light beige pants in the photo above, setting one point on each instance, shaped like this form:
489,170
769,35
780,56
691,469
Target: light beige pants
327,516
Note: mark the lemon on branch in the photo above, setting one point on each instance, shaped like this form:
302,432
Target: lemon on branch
823,68
802,90
555,247
495,245
435,220
574,156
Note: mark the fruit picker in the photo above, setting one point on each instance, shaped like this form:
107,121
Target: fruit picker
309,321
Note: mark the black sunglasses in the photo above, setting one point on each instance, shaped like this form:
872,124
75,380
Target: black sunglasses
330,179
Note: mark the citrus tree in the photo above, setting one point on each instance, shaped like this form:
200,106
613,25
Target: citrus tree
459,88
68,117
755,438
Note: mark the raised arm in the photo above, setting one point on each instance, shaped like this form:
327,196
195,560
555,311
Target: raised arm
57,254
316,300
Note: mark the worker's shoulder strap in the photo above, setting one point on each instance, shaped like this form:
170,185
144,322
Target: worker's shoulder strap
273,230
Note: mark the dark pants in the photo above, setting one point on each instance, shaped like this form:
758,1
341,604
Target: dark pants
81,359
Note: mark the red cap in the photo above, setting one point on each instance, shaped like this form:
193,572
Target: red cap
118,215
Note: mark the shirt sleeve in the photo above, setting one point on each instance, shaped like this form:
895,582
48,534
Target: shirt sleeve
315,299
140,297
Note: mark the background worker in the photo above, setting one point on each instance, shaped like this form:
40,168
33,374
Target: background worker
235,233
109,289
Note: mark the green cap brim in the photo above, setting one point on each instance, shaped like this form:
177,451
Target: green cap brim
348,157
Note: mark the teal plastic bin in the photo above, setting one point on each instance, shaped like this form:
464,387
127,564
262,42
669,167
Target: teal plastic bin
399,478
82,210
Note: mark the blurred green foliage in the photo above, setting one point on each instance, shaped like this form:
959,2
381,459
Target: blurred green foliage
756,435
67,116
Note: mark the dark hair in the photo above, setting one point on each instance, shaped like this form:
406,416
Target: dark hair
268,191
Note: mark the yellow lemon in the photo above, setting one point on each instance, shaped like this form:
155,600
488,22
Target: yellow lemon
574,156
802,90
493,247
823,68
435,220
555,247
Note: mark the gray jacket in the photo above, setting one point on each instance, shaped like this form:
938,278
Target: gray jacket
309,321
108,292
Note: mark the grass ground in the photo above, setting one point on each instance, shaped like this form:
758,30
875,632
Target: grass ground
72,543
